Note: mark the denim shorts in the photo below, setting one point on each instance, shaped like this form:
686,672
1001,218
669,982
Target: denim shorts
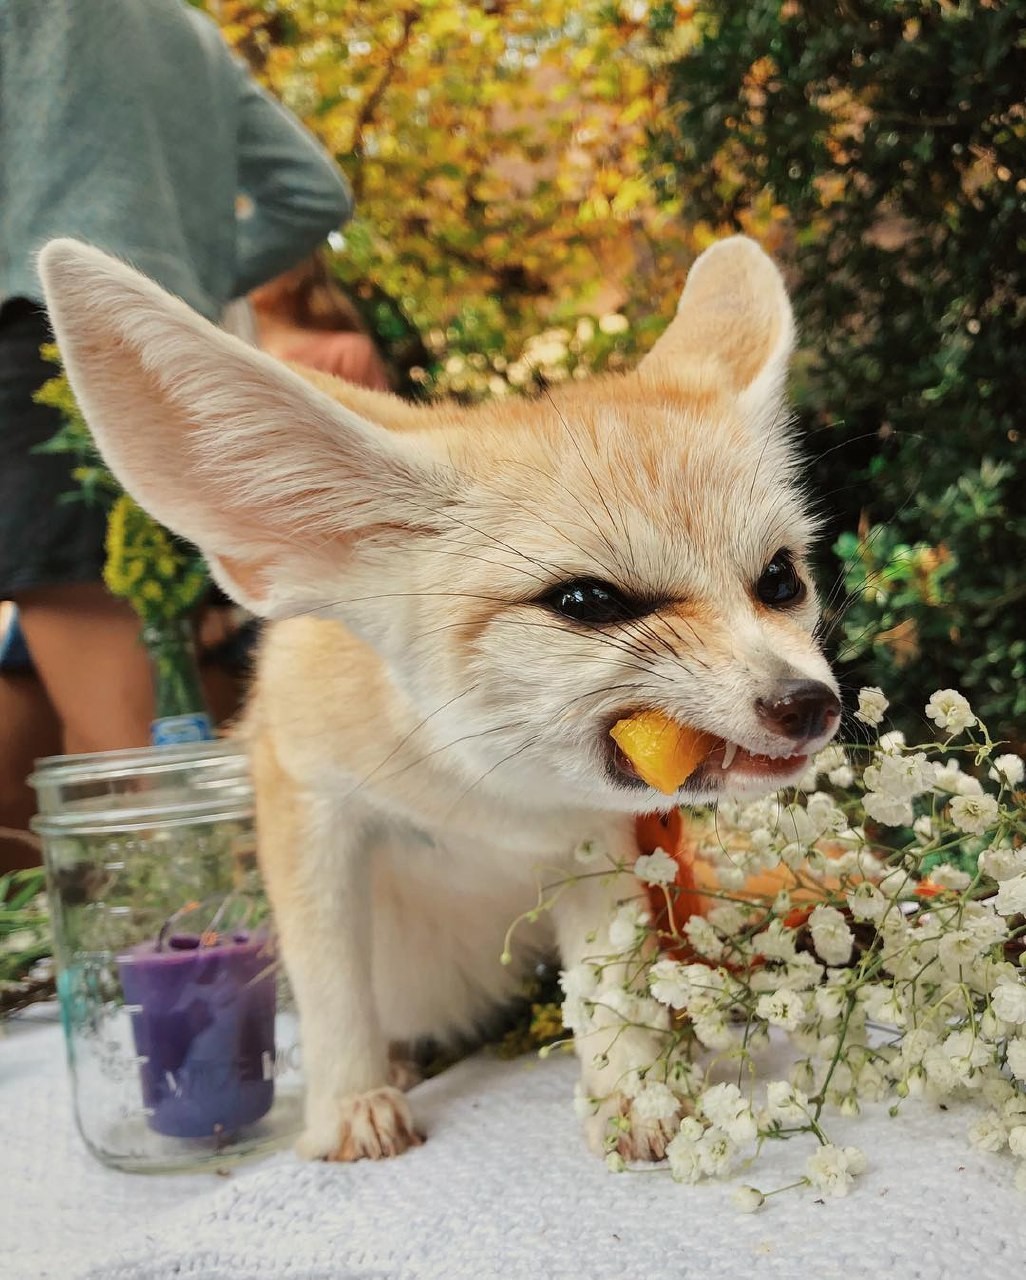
45,540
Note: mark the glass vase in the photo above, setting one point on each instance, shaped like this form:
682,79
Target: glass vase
181,1035
181,711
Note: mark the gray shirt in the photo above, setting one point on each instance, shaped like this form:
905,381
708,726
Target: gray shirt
129,124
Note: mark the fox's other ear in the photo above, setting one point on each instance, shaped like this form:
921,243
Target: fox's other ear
735,314
275,481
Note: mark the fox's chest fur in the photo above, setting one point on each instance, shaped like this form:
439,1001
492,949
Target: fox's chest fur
452,870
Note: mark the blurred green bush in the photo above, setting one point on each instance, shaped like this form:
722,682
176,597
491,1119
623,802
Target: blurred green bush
893,135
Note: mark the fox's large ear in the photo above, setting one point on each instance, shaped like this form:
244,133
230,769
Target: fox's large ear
735,316
275,481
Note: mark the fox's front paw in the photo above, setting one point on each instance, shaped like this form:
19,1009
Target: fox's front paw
364,1126
616,1126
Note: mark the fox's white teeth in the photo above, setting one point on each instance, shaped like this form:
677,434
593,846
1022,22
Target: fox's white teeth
730,751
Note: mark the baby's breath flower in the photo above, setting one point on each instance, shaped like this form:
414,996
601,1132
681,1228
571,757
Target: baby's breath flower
655,1101
704,938
1008,770
1015,1056
889,811
872,705
988,1133
785,1104
667,980
1011,895
782,1009
682,1151
615,1162
1008,999
1017,1140
950,711
842,777
656,867
831,936
747,1199
891,743
948,877
725,1107
973,814
866,902
627,925
832,1169
716,1152
1002,862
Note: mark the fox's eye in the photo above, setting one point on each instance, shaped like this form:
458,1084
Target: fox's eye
780,583
591,602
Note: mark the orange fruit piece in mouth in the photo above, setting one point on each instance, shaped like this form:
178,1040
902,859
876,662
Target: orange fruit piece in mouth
662,752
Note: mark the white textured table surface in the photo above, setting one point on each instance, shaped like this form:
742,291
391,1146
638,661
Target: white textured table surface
503,1189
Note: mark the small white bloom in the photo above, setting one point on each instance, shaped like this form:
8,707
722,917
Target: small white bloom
782,1009
872,705
656,867
843,776
889,811
974,814
831,936
583,1105
667,980
1017,1140
1016,1057
1011,896
615,1162
1002,862
1008,1000
716,1152
866,902
726,1108
786,1104
682,1151
830,1169
655,1102
775,942
891,743
629,920
713,1030
704,938
748,1199
856,1158
831,757
988,1133
1008,770
923,827
949,877
727,918
950,711
829,1002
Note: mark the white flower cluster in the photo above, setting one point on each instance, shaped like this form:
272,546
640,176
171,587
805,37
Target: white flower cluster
877,923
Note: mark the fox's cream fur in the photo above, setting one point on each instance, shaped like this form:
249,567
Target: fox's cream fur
429,734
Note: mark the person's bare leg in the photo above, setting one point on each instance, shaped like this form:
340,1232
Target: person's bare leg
85,645
28,729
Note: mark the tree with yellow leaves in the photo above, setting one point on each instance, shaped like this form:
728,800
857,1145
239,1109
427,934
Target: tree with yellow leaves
498,155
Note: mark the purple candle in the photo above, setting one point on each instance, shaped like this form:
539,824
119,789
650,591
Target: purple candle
203,1022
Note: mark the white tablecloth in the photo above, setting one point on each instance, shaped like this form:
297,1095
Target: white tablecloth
503,1190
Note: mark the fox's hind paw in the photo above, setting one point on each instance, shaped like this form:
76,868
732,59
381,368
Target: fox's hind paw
365,1126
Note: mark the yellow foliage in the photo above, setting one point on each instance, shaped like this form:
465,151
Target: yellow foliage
497,153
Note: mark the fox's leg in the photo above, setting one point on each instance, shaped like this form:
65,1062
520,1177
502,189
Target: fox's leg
319,884
609,1049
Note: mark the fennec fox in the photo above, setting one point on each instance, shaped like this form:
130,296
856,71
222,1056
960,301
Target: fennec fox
465,600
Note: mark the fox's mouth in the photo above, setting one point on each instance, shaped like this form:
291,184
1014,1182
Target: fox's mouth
726,761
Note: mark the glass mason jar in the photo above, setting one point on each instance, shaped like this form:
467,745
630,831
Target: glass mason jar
181,1036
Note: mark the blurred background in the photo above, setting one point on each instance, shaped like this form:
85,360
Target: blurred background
532,180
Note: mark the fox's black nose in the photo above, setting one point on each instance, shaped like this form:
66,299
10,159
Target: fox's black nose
799,709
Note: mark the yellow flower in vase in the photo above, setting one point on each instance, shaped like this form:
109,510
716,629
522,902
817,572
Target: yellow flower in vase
162,579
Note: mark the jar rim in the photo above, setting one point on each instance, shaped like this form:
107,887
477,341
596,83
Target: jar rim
128,761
